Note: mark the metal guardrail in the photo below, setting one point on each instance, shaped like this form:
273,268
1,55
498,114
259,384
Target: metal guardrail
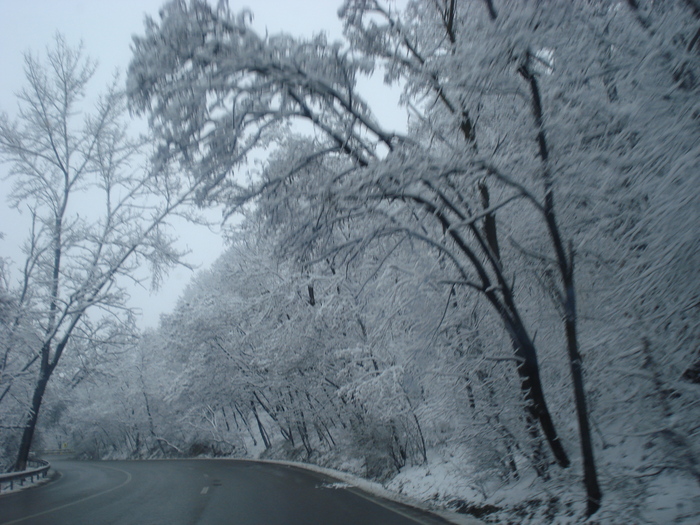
38,469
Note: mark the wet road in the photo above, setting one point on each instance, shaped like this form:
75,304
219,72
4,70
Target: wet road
193,492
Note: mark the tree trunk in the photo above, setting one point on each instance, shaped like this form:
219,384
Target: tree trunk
590,477
566,271
536,407
151,426
423,448
30,426
524,349
261,428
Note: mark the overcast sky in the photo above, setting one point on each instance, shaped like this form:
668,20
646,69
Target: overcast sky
105,28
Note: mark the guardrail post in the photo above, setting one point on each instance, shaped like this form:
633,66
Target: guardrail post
39,469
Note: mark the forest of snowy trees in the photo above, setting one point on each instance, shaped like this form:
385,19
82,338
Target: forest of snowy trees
501,303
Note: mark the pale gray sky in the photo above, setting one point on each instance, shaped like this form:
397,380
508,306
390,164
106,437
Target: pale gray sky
105,28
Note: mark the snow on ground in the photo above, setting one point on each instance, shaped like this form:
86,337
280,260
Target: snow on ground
439,481
447,481
673,499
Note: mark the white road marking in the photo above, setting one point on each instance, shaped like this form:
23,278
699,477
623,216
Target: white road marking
205,490
128,480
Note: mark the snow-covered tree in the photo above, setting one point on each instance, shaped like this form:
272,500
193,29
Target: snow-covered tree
548,172
77,259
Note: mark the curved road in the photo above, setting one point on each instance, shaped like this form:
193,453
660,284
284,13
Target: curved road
190,492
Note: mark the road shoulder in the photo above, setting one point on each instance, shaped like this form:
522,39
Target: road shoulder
376,493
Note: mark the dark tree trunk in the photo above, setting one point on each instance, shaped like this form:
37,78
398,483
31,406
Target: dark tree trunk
524,349
312,298
536,406
505,306
490,231
151,425
423,448
30,426
566,270
261,428
590,477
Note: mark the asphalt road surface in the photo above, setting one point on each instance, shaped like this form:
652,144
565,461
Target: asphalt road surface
202,492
